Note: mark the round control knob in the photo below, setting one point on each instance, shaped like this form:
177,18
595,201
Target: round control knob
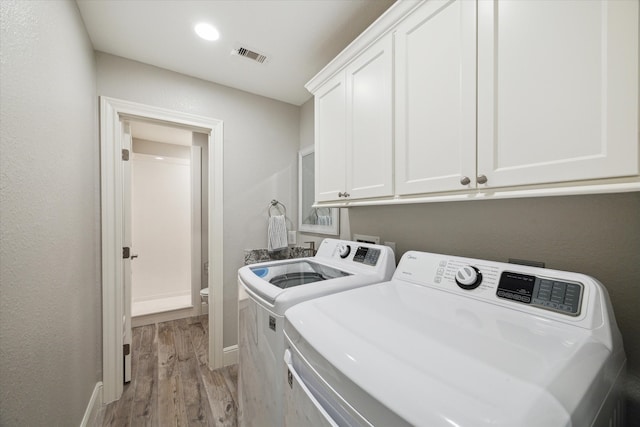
344,250
468,277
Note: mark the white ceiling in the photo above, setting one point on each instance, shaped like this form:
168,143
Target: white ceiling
299,37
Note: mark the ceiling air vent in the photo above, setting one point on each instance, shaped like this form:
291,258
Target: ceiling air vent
250,54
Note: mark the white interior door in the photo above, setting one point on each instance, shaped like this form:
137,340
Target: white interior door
126,243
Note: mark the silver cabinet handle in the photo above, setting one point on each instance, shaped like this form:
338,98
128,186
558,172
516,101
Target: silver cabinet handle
345,194
465,180
340,194
482,179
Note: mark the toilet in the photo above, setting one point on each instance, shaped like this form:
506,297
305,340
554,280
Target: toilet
204,295
204,301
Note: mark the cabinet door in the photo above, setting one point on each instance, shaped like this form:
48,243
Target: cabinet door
436,98
330,138
557,90
369,123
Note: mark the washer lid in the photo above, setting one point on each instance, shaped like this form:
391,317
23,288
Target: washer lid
283,279
436,359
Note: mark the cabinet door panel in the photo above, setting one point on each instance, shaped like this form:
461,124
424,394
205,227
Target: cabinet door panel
330,138
557,90
435,98
369,130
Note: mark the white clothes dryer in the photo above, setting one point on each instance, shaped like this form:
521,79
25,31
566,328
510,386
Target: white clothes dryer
267,290
453,341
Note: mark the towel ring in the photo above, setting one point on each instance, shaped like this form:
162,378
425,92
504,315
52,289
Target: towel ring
276,205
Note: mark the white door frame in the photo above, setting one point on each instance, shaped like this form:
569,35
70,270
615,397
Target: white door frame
112,111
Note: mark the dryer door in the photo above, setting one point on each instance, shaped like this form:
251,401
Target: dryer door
308,403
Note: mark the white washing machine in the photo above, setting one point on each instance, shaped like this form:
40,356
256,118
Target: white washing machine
457,342
267,290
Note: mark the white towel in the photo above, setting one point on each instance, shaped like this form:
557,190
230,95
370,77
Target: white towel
324,220
277,235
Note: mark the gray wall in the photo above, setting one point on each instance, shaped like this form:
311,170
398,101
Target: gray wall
260,149
50,308
598,235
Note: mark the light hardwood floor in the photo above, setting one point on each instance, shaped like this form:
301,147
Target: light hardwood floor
171,384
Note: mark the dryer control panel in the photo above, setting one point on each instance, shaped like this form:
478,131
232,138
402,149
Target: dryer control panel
556,294
366,255
553,294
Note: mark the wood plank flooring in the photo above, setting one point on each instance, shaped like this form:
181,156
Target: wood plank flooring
171,384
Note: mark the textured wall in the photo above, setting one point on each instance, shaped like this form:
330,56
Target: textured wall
598,235
260,149
50,309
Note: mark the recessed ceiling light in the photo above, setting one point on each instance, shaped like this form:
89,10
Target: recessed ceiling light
207,31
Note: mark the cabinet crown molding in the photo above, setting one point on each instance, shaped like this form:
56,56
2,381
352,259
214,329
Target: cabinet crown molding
380,27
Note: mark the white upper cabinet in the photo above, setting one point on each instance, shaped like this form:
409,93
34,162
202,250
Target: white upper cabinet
459,99
353,129
369,123
557,91
435,98
330,139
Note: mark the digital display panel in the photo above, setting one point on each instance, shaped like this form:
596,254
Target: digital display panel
516,286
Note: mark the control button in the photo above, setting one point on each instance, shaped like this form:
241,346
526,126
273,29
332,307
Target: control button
526,299
440,271
443,263
546,285
468,277
560,286
572,293
544,295
573,287
437,279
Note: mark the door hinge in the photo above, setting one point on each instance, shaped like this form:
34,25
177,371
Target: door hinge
126,349
125,154
126,253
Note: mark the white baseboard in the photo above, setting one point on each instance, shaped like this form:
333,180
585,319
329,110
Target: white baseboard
93,408
230,355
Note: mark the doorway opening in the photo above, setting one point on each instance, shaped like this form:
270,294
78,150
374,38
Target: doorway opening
168,222
115,149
